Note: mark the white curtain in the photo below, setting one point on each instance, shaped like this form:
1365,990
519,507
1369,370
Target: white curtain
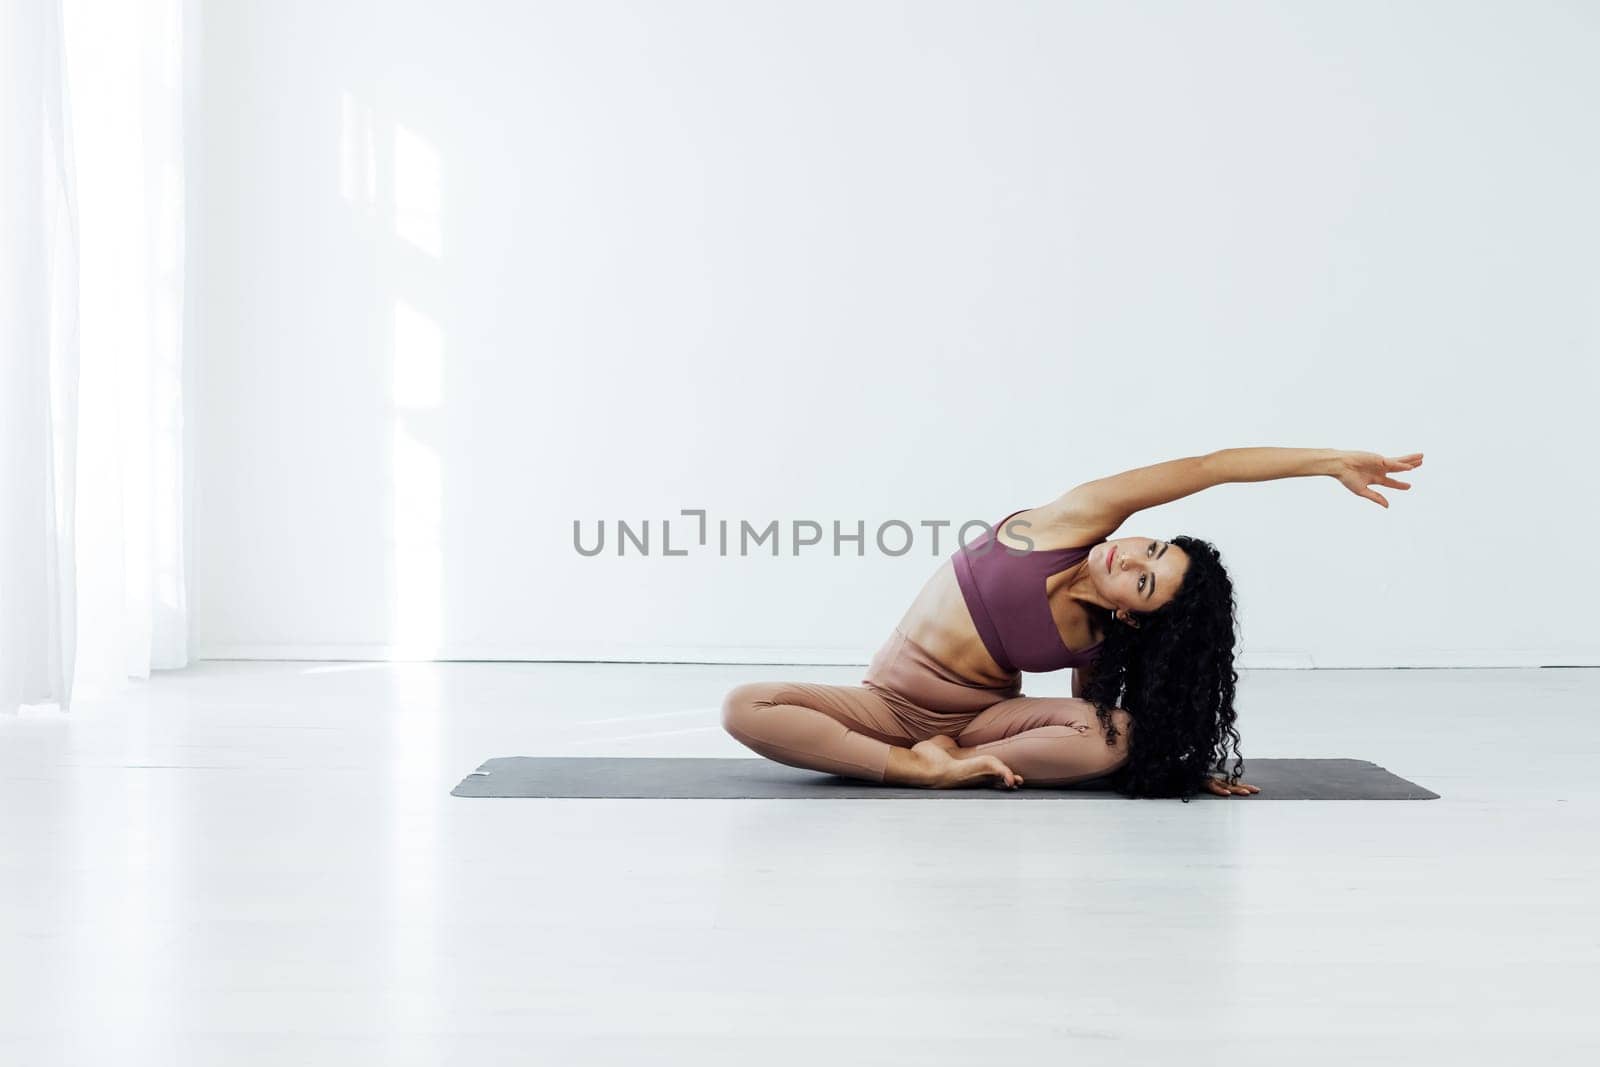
92,562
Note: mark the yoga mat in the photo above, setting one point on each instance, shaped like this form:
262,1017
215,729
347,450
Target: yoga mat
596,777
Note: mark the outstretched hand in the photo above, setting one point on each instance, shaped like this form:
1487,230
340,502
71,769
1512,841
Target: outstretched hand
1358,471
1223,788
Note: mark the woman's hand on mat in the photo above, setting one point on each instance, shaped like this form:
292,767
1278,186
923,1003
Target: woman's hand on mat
1358,471
1220,787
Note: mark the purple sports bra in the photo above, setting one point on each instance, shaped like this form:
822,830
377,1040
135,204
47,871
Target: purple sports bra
1005,594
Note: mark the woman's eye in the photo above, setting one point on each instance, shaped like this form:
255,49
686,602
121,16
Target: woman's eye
1141,583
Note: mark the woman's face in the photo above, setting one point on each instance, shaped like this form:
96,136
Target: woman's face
1137,574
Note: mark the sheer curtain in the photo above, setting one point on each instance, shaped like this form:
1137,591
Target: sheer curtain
92,560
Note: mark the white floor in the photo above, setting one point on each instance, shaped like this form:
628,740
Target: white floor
260,863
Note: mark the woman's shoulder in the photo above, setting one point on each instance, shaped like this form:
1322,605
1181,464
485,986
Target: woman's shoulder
1050,530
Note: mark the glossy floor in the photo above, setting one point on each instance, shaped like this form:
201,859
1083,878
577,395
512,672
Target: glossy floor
260,863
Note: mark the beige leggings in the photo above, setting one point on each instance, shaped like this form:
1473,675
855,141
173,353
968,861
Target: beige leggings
907,696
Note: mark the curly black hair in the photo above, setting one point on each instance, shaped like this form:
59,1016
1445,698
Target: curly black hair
1174,675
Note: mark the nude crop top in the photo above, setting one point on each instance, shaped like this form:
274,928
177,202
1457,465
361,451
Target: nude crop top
1006,595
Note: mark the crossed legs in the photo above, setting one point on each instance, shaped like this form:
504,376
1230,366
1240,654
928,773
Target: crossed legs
853,730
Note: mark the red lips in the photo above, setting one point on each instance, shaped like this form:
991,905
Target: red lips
1110,555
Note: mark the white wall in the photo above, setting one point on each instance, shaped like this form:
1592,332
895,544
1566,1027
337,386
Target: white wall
473,271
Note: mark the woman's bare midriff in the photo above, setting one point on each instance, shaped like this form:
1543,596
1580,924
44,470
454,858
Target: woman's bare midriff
940,622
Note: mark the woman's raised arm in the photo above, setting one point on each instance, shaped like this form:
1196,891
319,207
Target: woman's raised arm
1097,508
1355,470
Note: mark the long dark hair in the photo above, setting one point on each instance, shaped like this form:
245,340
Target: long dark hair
1174,675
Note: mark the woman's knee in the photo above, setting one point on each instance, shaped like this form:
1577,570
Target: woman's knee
1083,716
1111,740
1123,722
1106,752
1115,738
744,701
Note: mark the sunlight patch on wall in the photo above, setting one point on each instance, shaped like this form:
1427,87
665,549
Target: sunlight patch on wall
416,191
416,480
418,359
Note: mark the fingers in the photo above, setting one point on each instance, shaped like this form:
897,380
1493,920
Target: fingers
1403,463
1394,483
1359,488
1224,789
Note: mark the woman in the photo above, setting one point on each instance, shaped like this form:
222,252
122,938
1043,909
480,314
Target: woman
1147,625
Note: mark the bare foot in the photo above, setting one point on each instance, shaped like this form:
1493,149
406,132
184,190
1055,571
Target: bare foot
948,743
949,772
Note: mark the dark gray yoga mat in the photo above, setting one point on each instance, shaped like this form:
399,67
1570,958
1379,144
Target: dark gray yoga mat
597,777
